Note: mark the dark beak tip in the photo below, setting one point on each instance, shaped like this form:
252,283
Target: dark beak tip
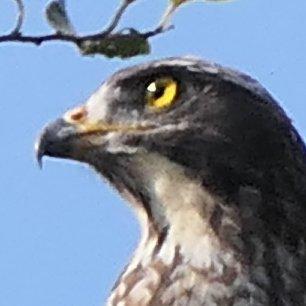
40,162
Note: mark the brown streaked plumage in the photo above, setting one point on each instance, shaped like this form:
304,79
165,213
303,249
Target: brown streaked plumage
216,174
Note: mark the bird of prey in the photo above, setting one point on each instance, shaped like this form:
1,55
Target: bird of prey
214,170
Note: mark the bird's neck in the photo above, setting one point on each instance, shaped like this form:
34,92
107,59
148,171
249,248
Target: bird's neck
180,248
187,259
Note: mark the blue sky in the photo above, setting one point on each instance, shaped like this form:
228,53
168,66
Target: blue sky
64,234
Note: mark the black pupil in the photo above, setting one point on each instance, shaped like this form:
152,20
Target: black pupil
160,90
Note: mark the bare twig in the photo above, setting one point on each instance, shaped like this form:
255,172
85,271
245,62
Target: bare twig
119,13
165,21
166,18
20,17
158,30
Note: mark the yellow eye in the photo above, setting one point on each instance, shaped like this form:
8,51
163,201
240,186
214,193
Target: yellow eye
161,93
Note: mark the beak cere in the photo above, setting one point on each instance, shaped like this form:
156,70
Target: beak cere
76,115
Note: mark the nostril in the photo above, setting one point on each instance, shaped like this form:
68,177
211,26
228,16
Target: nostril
77,114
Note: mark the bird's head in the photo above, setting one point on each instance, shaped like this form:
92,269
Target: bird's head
134,109
180,118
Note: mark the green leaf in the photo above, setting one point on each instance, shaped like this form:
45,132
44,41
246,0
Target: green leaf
121,45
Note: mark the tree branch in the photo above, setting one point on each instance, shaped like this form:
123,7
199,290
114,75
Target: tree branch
109,43
77,40
118,15
166,18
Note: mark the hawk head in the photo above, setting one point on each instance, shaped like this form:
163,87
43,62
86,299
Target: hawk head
212,166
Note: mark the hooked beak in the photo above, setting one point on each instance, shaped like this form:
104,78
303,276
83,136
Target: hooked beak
69,136
55,140
58,138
